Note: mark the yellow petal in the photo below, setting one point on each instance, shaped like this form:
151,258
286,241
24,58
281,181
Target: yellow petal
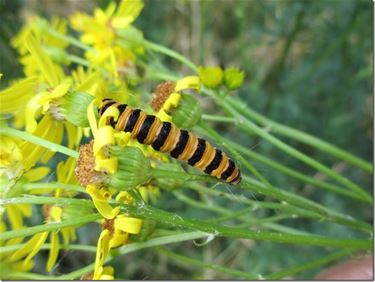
38,173
101,252
129,9
54,250
107,273
25,209
127,224
172,101
15,97
57,92
144,193
101,202
110,9
110,112
44,62
118,238
65,232
89,83
188,82
124,197
32,151
14,216
163,116
31,111
56,135
55,213
29,246
103,138
108,165
22,266
38,245
122,138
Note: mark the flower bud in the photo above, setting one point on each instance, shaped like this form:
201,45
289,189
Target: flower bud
233,78
133,169
211,77
188,113
58,55
74,108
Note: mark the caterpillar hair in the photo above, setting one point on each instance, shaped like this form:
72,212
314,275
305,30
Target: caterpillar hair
180,144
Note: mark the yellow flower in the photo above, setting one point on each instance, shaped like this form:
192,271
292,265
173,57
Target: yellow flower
115,233
65,174
33,246
12,176
167,95
14,99
39,26
44,96
101,31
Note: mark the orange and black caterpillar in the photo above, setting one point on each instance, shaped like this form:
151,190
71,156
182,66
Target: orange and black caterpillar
166,137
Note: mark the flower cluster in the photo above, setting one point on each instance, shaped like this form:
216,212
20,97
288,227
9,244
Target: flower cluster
55,105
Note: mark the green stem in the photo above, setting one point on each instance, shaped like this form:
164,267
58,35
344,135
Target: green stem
38,141
198,263
20,233
326,213
161,173
40,200
219,118
291,172
251,127
299,135
232,215
52,186
76,247
68,39
233,232
164,240
14,275
283,228
307,266
200,205
258,204
78,60
169,52
290,203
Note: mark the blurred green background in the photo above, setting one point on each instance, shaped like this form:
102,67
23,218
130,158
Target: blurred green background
308,64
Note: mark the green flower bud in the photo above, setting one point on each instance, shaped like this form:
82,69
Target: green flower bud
211,77
233,78
133,168
74,108
188,112
58,55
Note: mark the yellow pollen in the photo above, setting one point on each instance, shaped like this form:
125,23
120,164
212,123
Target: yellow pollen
85,168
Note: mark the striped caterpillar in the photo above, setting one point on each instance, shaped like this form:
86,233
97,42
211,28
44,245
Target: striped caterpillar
166,137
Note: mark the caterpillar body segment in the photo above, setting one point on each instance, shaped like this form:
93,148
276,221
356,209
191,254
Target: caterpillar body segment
164,136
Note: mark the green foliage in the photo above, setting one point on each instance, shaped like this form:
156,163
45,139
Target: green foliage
300,127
